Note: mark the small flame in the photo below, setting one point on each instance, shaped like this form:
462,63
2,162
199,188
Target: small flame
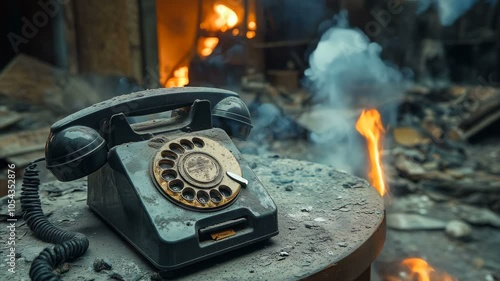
227,18
250,34
370,126
251,29
206,45
420,269
252,25
179,79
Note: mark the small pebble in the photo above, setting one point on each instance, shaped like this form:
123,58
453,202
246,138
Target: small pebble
289,188
458,229
284,254
306,209
116,276
342,244
100,265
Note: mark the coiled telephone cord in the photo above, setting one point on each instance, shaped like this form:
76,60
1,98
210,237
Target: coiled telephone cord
69,245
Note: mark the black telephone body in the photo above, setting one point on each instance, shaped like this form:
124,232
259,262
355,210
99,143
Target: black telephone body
176,188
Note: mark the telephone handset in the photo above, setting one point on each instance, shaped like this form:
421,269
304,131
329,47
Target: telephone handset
76,146
177,189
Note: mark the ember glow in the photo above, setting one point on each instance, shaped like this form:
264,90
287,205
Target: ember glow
422,271
180,78
370,126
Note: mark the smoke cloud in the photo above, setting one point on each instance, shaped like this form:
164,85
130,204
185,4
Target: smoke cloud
344,66
449,10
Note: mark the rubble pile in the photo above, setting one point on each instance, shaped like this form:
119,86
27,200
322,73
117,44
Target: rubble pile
432,152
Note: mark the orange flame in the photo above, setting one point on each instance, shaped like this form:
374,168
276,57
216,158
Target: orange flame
206,45
251,29
250,34
227,18
252,25
223,19
370,126
180,78
423,271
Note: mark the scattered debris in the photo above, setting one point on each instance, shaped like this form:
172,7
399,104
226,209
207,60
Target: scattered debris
283,254
478,216
306,209
8,117
23,142
342,244
430,152
26,79
309,226
100,265
408,136
116,276
402,221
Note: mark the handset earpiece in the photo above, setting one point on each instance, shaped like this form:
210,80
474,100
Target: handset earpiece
75,152
232,115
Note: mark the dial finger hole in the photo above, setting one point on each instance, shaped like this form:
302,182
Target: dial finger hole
188,145
166,164
169,175
167,154
177,148
226,191
198,142
202,197
176,185
215,196
188,194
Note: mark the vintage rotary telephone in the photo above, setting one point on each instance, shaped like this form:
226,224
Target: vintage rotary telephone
177,188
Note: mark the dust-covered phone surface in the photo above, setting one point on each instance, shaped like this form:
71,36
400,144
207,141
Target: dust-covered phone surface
175,188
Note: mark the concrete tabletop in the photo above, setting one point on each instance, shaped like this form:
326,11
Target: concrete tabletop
332,226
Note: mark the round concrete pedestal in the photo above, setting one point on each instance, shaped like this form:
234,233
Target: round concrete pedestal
332,226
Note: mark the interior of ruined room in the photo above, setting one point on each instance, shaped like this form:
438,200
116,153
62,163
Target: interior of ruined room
310,140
